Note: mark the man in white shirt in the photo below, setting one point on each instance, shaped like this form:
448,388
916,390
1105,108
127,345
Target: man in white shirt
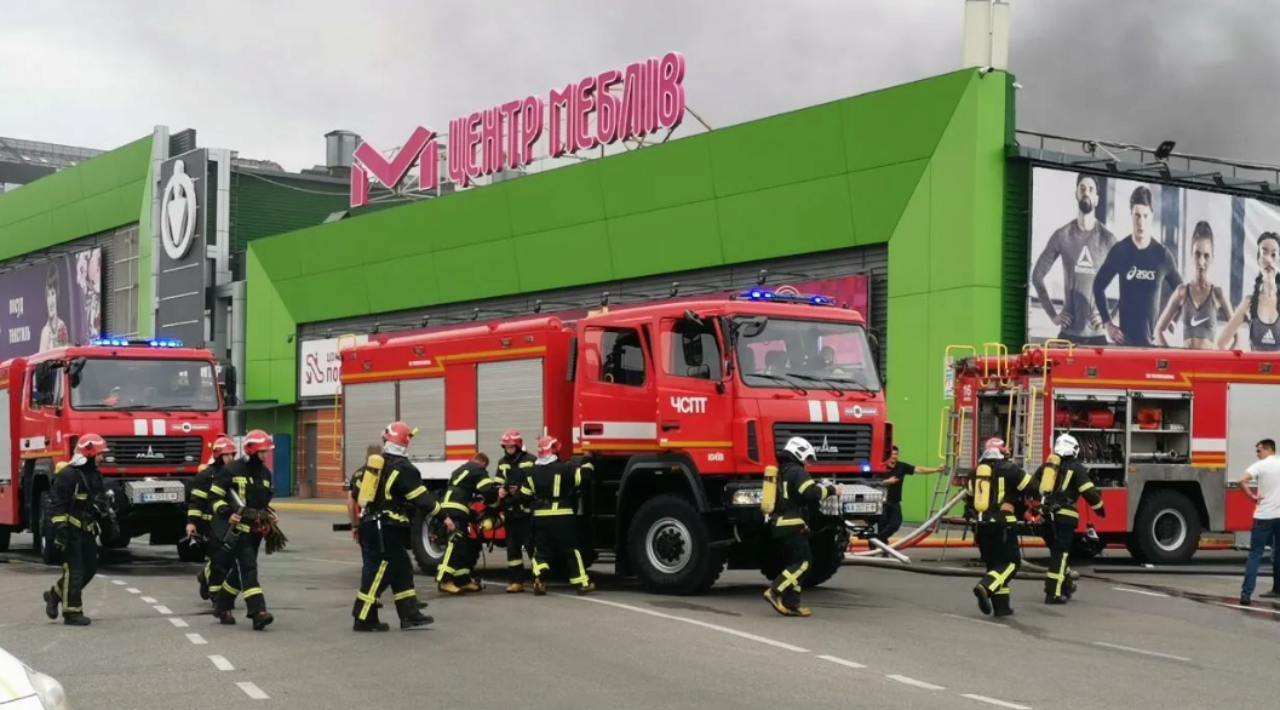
1265,475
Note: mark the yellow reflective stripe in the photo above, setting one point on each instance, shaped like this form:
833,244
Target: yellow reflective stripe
787,522
82,496
396,516
1097,507
75,521
252,592
415,493
219,505
526,464
515,563
199,493
552,511
999,578
581,579
825,492
242,527
217,490
1069,512
484,483
527,490
555,487
391,479
1066,482
792,579
226,587
1086,486
451,505
1026,480
805,486
1011,518
193,513
406,594
370,597
461,477
58,519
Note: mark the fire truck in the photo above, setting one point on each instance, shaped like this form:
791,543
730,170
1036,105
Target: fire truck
157,404
1166,433
681,405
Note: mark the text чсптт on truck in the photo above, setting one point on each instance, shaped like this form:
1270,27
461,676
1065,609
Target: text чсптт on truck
682,405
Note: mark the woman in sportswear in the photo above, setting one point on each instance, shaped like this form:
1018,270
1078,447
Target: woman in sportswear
1261,307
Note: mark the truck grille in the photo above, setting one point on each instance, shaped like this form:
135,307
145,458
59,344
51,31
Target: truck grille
154,451
834,443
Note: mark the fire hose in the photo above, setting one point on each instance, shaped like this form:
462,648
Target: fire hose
910,539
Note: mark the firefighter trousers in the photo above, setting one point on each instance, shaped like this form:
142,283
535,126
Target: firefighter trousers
386,564
1059,534
461,554
555,547
519,540
215,568
79,566
998,546
793,548
242,576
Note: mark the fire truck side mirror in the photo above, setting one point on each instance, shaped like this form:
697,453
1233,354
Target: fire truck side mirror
229,385
44,383
74,370
873,339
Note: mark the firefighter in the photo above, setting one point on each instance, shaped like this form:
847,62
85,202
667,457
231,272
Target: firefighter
993,493
469,482
513,468
796,492
241,494
199,517
554,486
77,501
1063,480
389,490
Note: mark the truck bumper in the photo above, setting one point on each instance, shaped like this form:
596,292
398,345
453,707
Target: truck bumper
860,509
155,506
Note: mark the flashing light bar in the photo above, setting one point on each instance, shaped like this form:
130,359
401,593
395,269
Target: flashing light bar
126,342
760,294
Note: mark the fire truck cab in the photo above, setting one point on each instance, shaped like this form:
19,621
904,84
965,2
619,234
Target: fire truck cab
157,404
1165,433
680,405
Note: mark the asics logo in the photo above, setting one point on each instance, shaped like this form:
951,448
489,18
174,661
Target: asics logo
1140,274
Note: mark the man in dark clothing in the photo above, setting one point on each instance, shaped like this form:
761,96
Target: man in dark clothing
892,519
1142,265
241,495
75,501
796,493
513,468
993,494
554,488
1063,480
200,517
467,484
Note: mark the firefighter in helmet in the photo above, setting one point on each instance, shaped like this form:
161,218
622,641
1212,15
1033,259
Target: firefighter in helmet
467,484
993,494
241,493
77,503
795,494
513,468
1063,480
199,517
554,488
389,492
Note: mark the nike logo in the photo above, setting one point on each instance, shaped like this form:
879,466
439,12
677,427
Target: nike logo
1197,322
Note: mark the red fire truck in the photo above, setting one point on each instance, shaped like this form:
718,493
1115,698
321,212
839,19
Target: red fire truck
157,404
1165,432
683,405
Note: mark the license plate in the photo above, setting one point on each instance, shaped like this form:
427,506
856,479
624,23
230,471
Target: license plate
161,497
861,507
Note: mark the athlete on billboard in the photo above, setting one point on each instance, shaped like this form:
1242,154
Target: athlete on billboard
54,334
1082,244
1198,321
1142,264
1260,308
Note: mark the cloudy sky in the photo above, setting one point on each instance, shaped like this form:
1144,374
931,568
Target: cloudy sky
269,78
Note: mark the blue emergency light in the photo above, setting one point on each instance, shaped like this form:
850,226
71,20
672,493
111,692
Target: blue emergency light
126,342
759,294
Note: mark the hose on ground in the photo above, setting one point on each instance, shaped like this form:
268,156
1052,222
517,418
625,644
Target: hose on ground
919,534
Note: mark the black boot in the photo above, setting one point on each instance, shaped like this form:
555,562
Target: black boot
51,602
410,614
204,585
984,598
371,621
261,620
1001,604
75,619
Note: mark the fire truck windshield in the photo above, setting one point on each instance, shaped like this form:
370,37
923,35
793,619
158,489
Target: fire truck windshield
137,383
816,354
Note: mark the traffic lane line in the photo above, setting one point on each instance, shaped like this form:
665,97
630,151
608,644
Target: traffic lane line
179,623
253,691
913,682
196,639
1144,592
1130,649
222,663
976,621
842,662
993,701
149,600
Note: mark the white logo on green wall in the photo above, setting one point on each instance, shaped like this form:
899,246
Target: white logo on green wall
178,213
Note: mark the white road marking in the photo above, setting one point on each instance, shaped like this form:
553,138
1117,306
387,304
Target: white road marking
1141,591
976,621
960,569
149,600
197,639
916,683
221,663
1249,608
993,701
117,581
180,623
134,590
253,691
695,622
841,661
1130,649
162,609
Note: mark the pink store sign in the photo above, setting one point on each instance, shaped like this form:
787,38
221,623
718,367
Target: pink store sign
502,137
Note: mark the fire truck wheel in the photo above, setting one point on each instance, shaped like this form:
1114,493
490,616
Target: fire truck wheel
428,541
670,548
1166,529
4,539
39,523
828,557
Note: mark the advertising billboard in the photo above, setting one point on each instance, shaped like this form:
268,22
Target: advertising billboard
319,368
51,304
181,277
1122,262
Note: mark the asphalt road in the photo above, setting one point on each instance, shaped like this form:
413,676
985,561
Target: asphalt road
878,638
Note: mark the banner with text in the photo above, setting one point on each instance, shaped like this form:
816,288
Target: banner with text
51,304
1121,262
319,366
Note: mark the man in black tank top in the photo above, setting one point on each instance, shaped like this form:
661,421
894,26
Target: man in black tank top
1200,302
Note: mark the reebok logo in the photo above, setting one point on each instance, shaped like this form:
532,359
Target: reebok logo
1140,274
1084,265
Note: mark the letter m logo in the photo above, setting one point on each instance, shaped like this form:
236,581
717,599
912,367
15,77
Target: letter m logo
369,162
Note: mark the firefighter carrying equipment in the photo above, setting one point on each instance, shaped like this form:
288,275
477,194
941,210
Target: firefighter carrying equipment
994,493
243,488
468,483
384,543
554,489
370,476
516,509
75,509
769,496
200,515
798,495
1064,479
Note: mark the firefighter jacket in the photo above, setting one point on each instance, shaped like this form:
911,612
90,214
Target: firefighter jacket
250,481
468,482
199,503
1062,482
554,487
995,491
74,497
512,472
400,493
797,494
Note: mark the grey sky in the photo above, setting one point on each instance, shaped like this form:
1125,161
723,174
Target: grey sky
269,78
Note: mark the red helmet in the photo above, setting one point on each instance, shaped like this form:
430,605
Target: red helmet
398,433
257,440
223,445
548,445
994,448
511,437
91,445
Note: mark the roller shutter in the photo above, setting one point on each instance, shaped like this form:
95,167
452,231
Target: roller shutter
422,406
508,396
1017,253
368,408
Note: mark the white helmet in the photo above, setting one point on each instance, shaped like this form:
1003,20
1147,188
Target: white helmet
800,448
993,449
1066,446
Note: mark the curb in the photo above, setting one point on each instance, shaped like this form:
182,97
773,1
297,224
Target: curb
313,507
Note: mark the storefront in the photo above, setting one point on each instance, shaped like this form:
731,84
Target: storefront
903,188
